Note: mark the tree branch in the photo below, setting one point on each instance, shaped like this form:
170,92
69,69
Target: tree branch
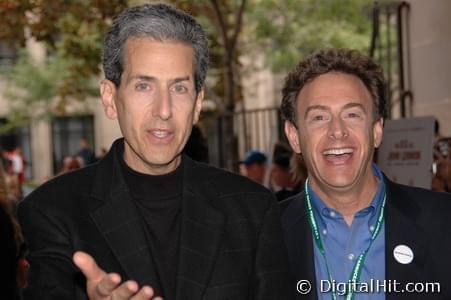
222,24
239,22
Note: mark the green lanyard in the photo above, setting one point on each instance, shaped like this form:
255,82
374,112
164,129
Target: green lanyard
357,270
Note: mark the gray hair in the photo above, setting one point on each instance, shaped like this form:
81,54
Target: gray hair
158,22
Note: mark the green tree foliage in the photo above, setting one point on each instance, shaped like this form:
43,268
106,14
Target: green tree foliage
32,87
72,32
287,30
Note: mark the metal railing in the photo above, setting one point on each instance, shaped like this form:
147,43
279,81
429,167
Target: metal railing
253,129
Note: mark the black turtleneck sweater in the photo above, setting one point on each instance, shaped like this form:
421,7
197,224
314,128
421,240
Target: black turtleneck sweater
158,199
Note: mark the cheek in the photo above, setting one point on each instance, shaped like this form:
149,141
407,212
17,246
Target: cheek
186,116
363,133
310,139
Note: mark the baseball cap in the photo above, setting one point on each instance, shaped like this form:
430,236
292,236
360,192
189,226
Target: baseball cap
254,156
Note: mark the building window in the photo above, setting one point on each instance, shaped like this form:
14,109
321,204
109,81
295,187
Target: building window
67,133
8,55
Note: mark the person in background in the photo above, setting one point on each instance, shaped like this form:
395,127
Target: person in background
441,181
441,168
16,170
70,163
12,181
86,152
282,173
352,226
255,164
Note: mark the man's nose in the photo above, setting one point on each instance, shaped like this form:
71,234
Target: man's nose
337,129
163,105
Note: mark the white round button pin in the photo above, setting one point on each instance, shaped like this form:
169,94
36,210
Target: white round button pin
403,254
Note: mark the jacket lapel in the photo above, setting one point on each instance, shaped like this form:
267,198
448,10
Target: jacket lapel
201,232
119,222
402,229
298,238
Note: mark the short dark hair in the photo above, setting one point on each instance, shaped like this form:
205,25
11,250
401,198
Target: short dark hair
334,60
158,22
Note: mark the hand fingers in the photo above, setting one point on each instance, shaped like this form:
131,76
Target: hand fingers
107,284
146,292
88,266
125,290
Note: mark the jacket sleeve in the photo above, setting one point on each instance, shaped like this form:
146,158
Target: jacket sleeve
52,274
271,261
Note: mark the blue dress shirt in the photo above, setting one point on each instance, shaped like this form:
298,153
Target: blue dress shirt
343,244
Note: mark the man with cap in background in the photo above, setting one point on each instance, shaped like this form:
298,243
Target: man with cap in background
254,163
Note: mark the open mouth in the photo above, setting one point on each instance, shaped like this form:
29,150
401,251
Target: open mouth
338,155
160,135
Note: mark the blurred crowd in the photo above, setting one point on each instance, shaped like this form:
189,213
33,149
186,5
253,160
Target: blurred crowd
284,173
441,167
85,156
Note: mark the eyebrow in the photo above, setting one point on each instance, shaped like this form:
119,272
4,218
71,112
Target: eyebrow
152,78
179,79
141,77
354,104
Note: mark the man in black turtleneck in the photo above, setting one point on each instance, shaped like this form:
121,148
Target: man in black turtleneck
146,221
159,198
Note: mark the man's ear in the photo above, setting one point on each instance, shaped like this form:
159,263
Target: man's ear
108,95
198,105
293,136
378,132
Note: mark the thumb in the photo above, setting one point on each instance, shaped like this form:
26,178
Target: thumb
88,266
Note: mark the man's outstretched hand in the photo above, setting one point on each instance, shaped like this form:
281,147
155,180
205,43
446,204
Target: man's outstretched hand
103,286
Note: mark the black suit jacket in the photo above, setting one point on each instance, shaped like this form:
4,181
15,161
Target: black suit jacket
414,217
231,244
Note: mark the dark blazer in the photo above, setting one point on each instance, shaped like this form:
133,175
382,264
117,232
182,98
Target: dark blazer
414,217
231,244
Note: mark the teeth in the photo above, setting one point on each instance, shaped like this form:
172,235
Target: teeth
338,151
160,134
